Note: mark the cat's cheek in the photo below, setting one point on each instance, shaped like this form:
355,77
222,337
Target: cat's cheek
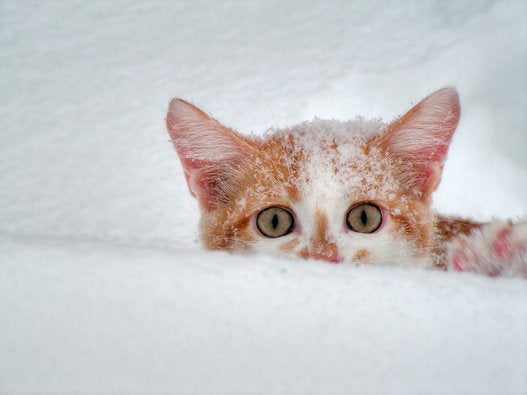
363,256
386,246
287,247
413,222
357,248
290,246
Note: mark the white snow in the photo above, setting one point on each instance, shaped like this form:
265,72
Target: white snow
103,286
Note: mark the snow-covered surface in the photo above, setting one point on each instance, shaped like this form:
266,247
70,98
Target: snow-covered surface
103,287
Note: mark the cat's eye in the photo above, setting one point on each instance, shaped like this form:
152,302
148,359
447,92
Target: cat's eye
275,222
364,218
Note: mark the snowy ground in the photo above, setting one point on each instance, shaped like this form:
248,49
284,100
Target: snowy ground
103,287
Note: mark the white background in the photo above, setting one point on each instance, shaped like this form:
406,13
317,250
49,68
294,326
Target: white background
103,286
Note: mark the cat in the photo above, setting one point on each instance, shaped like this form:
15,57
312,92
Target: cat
358,191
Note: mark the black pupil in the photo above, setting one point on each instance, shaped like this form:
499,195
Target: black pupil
364,217
274,221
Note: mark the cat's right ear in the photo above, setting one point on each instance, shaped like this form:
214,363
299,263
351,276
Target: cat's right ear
207,150
419,141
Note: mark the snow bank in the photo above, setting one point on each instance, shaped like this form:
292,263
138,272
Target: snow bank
103,287
89,317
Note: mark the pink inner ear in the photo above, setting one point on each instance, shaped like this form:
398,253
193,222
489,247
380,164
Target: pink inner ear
195,178
206,148
420,139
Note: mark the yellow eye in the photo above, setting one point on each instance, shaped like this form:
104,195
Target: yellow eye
275,222
364,218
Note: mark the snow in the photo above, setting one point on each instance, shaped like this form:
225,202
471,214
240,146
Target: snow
103,286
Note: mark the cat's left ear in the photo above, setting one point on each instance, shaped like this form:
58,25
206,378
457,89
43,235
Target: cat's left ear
419,141
209,152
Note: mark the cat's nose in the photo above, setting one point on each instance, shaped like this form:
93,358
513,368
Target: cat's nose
324,250
332,258
322,243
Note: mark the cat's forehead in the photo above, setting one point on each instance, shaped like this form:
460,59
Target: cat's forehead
328,157
322,129
328,141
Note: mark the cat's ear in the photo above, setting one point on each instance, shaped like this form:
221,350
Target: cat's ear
420,139
208,151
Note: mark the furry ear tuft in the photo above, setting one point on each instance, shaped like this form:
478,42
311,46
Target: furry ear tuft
420,139
206,148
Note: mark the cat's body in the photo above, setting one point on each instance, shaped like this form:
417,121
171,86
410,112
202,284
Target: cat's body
357,191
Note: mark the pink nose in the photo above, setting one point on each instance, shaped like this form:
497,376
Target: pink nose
328,254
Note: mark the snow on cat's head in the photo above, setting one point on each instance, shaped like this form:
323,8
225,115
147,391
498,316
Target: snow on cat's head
356,191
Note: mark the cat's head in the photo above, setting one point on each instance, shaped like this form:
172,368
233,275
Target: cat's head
357,191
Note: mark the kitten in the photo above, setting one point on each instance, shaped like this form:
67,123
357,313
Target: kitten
357,191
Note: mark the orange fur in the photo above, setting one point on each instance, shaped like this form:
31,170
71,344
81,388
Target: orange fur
289,246
362,256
